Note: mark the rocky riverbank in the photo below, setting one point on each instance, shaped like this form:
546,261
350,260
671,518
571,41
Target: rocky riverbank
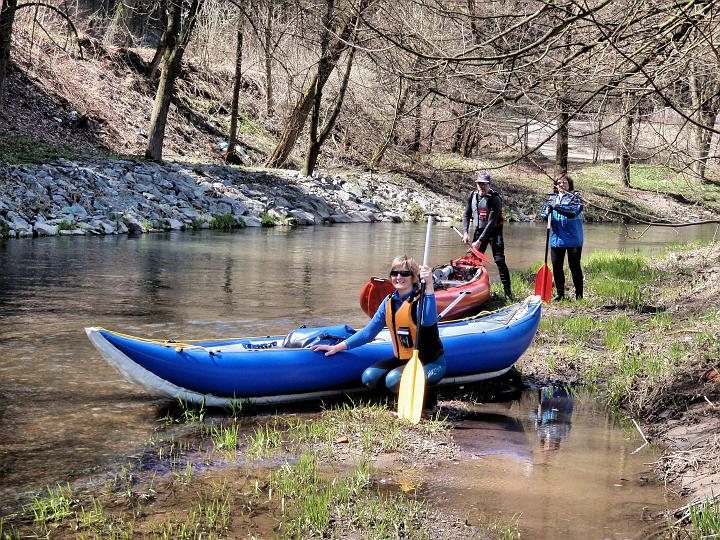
125,196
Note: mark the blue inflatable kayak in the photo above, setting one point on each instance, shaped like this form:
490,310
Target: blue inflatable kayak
281,368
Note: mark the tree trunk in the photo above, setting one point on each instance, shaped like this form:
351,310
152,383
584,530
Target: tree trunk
523,137
293,126
329,59
316,141
597,138
232,136
459,134
160,49
433,127
7,18
269,99
158,57
379,152
705,103
311,158
469,138
172,61
626,135
417,132
561,147
118,31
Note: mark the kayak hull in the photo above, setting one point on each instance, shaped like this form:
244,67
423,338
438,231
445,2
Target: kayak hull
261,370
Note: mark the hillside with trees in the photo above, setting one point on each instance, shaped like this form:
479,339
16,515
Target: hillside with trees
428,88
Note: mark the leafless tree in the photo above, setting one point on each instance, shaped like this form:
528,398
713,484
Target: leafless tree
334,40
181,23
230,155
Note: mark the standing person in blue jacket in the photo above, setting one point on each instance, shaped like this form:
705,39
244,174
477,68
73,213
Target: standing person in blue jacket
567,234
483,219
400,312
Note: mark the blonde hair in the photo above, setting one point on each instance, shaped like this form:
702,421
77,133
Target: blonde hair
404,262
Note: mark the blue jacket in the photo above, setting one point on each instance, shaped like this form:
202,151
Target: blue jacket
567,220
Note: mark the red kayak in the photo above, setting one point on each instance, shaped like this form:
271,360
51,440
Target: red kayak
466,277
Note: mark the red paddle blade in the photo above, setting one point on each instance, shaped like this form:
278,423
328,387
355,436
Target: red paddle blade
373,293
479,254
543,283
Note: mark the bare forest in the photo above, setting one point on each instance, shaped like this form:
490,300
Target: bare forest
373,83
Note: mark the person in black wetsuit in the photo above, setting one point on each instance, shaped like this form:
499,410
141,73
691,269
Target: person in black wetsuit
484,212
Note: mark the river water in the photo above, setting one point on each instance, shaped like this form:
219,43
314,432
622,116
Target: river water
63,411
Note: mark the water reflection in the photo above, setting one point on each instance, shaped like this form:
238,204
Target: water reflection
553,416
553,457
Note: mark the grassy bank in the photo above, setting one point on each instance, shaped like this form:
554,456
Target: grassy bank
237,476
647,337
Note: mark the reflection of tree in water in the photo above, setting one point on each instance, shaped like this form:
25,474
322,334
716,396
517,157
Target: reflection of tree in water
553,416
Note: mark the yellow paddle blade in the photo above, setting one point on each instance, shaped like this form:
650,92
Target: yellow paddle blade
412,390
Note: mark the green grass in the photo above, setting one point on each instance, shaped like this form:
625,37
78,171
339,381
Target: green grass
372,424
225,437
314,506
208,518
640,374
66,225
8,532
186,411
705,520
656,178
520,285
226,222
619,278
573,329
212,512
4,229
500,529
56,506
416,213
617,329
266,220
265,440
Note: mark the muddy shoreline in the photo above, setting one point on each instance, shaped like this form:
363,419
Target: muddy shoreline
677,404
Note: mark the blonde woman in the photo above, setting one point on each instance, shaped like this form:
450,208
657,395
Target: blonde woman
400,312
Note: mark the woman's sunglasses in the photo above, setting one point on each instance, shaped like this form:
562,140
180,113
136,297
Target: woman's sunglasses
403,273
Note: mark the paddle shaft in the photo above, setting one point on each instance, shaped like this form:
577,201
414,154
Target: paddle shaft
479,254
547,236
426,258
445,311
426,255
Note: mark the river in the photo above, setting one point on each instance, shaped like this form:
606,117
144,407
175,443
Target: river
64,412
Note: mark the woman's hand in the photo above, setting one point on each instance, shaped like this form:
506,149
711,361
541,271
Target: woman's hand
330,349
426,274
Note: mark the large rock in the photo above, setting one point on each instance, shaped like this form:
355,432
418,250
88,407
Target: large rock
340,218
303,218
252,221
43,229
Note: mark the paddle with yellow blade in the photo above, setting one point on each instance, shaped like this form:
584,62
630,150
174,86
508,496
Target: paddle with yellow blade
412,382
